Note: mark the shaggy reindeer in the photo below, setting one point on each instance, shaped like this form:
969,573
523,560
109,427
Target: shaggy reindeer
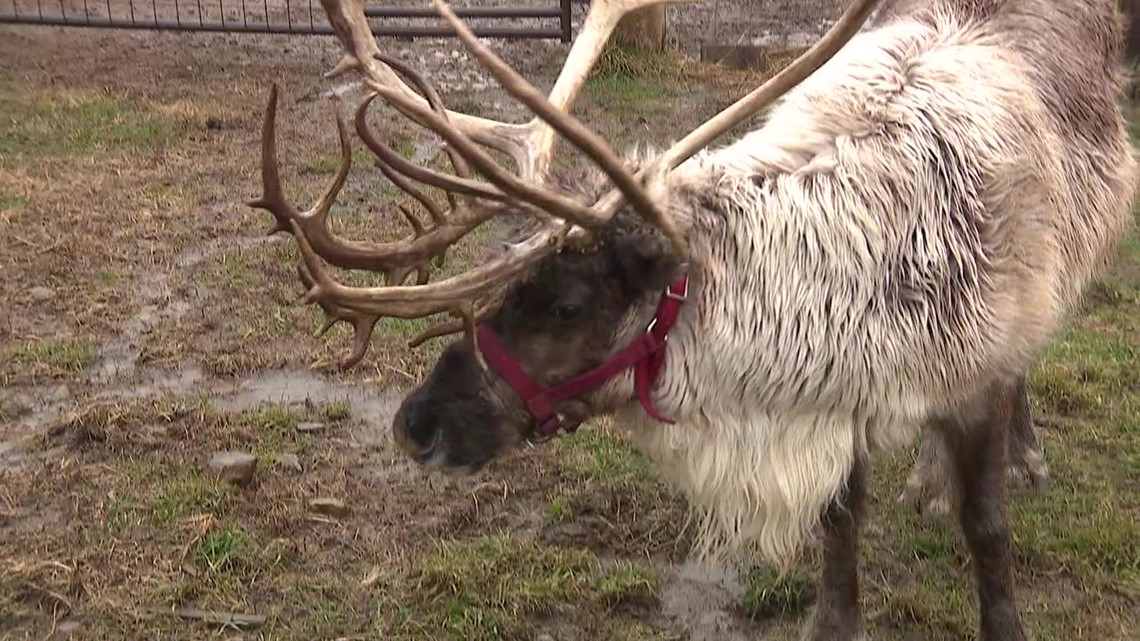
889,251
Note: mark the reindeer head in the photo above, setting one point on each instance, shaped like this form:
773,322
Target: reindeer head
560,310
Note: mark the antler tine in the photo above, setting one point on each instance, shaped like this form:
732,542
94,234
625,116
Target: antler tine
457,163
769,92
347,19
525,192
405,185
581,137
389,258
272,196
454,326
425,175
362,324
601,20
440,296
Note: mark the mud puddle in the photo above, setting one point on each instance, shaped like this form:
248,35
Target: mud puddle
701,598
160,303
294,386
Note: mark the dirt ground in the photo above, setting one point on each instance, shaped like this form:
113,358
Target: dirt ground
148,322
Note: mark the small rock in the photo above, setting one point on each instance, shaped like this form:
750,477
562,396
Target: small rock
544,637
41,293
235,467
214,123
310,426
289,462
68,627
329,507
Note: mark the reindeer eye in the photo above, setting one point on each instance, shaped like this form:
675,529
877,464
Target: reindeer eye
567,312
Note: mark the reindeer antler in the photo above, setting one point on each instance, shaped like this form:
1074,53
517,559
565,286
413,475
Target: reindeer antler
472,202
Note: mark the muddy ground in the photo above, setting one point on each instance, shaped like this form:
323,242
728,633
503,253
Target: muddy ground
148,322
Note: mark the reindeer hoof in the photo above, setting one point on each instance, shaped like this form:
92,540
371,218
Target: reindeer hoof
833,626
928,492
1028,472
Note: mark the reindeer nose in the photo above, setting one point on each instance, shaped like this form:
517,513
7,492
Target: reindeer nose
414,432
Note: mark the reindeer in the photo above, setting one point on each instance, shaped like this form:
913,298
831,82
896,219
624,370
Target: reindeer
886,254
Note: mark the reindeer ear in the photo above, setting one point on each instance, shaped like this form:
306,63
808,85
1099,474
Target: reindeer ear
644,261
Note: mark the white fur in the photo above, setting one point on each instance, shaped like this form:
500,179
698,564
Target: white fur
905,228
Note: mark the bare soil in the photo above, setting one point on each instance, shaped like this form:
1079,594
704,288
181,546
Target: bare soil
148,322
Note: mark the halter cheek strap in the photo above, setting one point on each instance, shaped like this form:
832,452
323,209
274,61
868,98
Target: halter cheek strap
646,355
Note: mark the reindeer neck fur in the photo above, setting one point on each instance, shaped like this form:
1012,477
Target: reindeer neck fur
911,223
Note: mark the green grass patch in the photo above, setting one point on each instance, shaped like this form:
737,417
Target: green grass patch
628,94
336,410
10,201
224,550
274,427
635,62
162,494
328,164
597,452
559,510
60,126
937,604
69,354
235,271
768,594
485,588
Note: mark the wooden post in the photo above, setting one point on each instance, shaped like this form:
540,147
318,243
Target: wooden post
642,29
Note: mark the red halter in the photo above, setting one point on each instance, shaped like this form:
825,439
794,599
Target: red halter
647,354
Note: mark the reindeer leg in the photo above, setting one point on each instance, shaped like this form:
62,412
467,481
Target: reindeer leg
837,615
927,487
977,443
1027,467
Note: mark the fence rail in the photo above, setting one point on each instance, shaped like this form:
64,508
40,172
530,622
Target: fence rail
292,17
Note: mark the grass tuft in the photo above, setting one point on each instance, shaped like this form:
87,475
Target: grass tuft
224,550
68,354
84,124
768,594
597,452
485,588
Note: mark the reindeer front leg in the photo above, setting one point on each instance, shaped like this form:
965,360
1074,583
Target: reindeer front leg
837,615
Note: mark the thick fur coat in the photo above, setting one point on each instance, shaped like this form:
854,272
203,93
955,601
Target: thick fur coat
909,224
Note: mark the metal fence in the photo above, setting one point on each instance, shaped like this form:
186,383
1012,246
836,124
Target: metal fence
280,16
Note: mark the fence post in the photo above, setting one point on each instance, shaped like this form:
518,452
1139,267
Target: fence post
565,17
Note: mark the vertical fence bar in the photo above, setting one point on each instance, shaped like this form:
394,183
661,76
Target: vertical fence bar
565,19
